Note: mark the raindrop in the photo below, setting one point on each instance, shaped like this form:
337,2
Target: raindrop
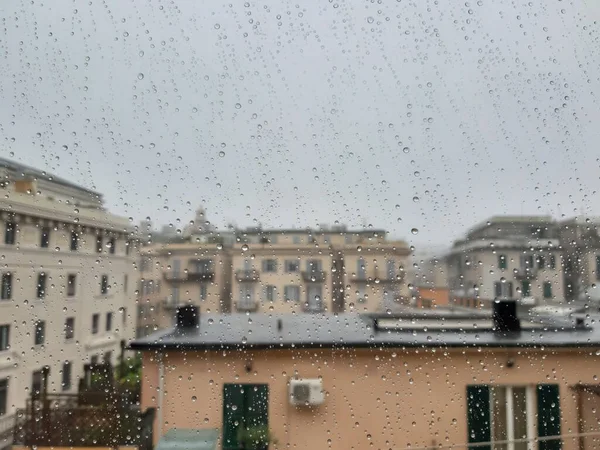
414,231
140,76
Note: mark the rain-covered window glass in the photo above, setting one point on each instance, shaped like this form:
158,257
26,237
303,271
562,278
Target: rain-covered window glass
292,266
269,265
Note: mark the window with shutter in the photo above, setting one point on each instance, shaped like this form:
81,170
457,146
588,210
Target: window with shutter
478,415
244,405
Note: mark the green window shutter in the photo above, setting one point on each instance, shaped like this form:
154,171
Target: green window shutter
257,405
502,263
233,414
478,415
548,408
597,267
547,289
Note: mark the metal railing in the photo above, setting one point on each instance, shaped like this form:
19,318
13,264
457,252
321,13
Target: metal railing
7,425
491,444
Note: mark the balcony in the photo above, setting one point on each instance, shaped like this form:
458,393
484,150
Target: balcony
201,274
169,275
381,276
248,305
313,276
246,275
169,305
313,308
525,273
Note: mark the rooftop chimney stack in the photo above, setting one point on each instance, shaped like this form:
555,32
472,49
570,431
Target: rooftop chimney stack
188,317
504,316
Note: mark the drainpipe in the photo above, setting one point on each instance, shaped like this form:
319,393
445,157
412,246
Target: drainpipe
161,387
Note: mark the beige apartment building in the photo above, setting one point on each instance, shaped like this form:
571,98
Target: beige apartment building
421,381
272,271
181,273
67,284
507,257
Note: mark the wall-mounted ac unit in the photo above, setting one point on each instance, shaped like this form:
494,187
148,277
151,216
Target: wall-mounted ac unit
306,392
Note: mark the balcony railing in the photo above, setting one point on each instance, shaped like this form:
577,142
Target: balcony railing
249,305
201,274
525,273
314,276
310,307
378,276
174,276
7,424
247,275
169,304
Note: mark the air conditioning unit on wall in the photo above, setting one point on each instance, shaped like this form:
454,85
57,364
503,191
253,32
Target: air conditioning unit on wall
306,392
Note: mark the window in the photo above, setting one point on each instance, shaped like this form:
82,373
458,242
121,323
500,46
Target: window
71,283
547,289
503,289
74,241
597,267
541,262
94,359
348,239
40,332
291,266
525,288
109,320
104,285
125,283
361,269
203,291
3,396
552,262
390,268
291,293
204,266
99,240
45,237
37,381
112,245
313,265
41,285
361,294
270,293
9,233
4,337
502,262
501,413
127,248
95,323
6,291
296,240
69,328
66,376
107,357
269,265
243,405
124,317
175,295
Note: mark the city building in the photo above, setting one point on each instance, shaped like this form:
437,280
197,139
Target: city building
422,380
175,274
67,284
507,257
581,246
272,271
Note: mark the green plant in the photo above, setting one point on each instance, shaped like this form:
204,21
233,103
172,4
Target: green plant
255,438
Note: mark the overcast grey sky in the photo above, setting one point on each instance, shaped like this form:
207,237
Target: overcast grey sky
401,114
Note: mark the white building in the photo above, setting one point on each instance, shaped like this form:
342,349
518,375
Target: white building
507,257
67,283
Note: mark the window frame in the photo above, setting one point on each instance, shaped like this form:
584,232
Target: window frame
95,329
39,333
6,282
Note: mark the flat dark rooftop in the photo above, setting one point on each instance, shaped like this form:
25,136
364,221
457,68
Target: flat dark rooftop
274,331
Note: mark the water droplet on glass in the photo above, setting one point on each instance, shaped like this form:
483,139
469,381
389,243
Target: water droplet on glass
140,76
414,231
